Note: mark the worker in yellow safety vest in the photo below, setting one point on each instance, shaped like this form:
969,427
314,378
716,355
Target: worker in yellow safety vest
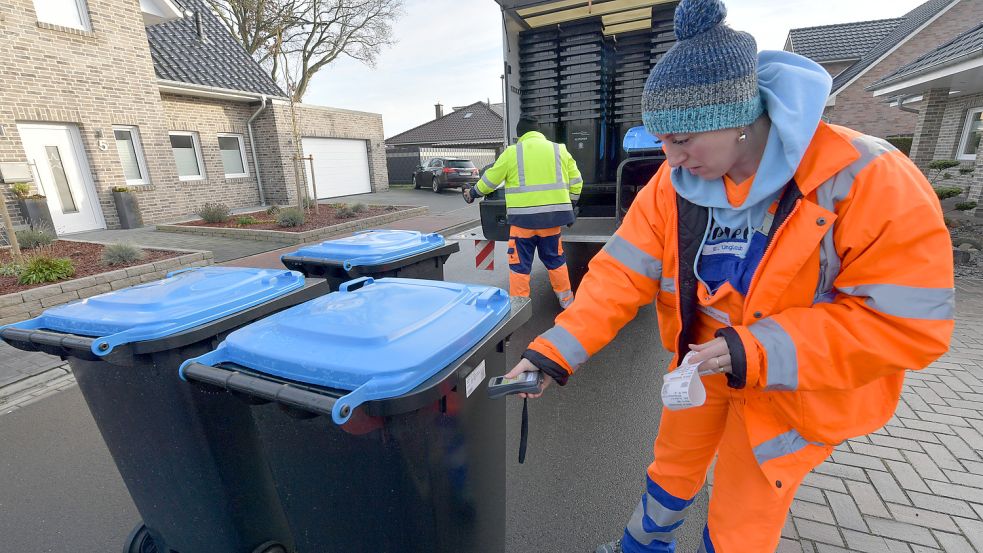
541,184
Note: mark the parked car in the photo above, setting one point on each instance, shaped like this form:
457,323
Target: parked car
441,172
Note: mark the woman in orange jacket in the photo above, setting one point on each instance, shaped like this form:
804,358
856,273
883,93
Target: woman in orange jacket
805,265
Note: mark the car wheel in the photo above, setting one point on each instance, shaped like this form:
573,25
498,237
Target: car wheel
435,185
416,185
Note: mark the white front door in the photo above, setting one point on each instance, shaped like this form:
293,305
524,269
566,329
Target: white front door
341,166
55,152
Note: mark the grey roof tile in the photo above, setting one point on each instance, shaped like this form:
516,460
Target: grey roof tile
844,41
969,43
220,61
910,22
483,125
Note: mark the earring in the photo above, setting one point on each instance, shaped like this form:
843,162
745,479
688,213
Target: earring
742,137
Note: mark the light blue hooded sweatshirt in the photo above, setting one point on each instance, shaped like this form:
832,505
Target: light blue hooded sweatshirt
794,90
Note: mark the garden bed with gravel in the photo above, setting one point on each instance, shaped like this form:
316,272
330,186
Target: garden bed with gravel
327,215
86,258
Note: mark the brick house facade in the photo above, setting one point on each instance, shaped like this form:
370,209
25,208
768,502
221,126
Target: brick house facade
103,75
851,103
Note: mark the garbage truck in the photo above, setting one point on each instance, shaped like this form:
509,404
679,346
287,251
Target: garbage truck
579,68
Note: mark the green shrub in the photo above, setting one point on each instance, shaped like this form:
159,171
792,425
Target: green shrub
43,268
902,143
391,208
946,192
246,220
214,212
121,254
359,208
273,210
21,189
35,237
309,202
290,217
965,206
344,213
9,269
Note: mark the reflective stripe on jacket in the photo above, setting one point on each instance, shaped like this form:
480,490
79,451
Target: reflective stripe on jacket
539,177
855,287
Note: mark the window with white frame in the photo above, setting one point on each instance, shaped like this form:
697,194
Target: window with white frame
131,156
187,155
233,155
66,13
969,144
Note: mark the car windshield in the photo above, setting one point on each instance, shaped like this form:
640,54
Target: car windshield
460,164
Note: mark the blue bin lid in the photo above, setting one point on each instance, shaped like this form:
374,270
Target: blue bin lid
379,341
184,299
637,139
372,247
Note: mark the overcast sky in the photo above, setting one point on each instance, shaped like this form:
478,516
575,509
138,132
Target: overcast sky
451,51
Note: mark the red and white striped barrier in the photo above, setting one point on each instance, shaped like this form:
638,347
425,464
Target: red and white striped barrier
484,255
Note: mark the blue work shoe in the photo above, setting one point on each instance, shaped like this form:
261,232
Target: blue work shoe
609,547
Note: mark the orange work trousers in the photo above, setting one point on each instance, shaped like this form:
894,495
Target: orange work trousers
523,244
747,512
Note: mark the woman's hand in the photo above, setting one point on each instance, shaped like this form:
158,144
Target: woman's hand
525,366
712,357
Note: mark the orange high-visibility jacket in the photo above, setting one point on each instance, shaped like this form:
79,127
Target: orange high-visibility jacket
855,286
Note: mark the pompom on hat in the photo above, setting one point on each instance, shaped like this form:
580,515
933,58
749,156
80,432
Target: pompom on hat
708,80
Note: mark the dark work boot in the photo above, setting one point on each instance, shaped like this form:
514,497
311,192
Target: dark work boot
609,547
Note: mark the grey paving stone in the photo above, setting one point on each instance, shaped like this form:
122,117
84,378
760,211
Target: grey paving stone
901,531
824,482
857,460
973,468
878,451
972,530
966,479
896,443
928,395
825,548
812,511
789,546
923,549
954,383
808,493
953,543
942,456
907,476
943,390
958,411
928,426
824,533
888,487
867,543
941,504
954,491
914,400
942,419
912,434
867,499
845,511
922,517
788,530
959,448
841,471
925,466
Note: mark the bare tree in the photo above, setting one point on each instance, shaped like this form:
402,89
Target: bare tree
311,33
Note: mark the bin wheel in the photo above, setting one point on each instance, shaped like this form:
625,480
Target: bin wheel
435,185
140,541
270,547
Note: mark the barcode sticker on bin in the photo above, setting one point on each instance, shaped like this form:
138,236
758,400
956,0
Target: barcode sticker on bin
474,379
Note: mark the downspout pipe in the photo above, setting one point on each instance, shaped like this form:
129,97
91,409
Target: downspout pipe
252,146
901,101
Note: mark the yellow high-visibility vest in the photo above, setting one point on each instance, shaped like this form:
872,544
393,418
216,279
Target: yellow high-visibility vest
539,177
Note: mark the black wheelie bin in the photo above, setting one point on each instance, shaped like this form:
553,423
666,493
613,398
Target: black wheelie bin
187,456
379,431
374,253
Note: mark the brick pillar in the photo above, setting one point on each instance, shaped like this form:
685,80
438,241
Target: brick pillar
929,125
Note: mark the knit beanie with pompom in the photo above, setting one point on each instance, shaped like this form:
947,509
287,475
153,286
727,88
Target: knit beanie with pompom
708,80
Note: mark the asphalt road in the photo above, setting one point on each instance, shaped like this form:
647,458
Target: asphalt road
589,444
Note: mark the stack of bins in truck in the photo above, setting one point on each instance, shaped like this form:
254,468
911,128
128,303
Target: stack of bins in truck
586,79
663,35
539,67
631,71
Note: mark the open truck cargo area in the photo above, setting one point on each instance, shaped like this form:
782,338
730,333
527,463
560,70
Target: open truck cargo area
579,67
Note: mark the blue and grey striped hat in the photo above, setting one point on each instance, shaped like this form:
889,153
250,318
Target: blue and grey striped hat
708,80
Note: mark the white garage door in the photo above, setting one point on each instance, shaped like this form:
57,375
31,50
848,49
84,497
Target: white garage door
341,166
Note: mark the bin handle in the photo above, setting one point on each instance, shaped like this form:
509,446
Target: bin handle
487,297
54,343
284,394
355,284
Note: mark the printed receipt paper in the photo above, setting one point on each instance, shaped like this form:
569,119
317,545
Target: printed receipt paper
682,388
